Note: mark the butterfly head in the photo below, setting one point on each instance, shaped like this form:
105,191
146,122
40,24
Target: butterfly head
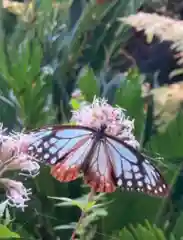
102,129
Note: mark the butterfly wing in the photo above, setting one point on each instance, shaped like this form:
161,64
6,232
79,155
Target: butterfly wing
113,164
106,163
132,171
64,147
98,170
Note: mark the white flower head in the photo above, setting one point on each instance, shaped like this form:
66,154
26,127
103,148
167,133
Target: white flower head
17,194
100,113
14,156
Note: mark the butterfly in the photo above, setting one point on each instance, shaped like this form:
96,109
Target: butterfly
105,161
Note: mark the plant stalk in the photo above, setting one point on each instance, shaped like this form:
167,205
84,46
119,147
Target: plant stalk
83,214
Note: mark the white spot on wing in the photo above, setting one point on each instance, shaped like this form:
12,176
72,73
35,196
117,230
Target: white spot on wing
129,183
39,150
120,182
53,160
149,187
52,150
140,183
46,145
46,156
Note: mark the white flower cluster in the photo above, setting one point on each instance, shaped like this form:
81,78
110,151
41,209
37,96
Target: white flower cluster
100,113
13,156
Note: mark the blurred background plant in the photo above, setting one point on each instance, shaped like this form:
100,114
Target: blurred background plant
51,48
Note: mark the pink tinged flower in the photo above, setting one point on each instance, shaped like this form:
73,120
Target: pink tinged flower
13,154
17,194
100,113
26,165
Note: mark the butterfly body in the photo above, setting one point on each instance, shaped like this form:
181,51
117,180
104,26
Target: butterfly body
105,161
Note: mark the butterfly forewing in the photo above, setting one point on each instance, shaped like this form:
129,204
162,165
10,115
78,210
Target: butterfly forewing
133,172
51,144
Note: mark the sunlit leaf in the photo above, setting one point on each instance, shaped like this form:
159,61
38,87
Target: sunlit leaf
75,104
89,206
6,233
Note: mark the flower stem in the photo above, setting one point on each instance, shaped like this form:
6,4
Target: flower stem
83,214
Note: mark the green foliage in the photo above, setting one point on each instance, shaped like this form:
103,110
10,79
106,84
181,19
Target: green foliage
27,83
143,232
163,143
128,96
5,233
91,211
41,63
88,84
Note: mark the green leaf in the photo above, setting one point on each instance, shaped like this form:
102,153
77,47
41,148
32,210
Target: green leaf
64,227
75,104
65,199
70,202
6,233
165,143
89,206
128,96
125,234
88,84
